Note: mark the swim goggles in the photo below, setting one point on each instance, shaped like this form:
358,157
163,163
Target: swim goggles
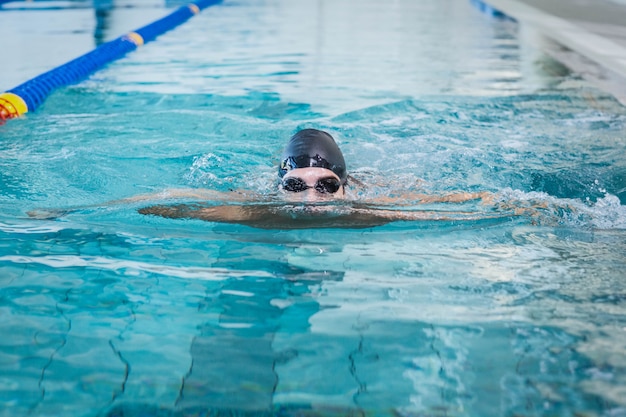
329,185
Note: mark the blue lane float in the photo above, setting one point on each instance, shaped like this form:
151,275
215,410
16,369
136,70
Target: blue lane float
27,97
489,10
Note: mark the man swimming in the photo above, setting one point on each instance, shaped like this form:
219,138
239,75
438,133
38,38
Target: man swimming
312,163
313,178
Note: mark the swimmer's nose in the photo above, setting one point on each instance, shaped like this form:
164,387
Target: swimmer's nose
311,195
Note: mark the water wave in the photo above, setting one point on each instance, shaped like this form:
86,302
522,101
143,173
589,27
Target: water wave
131,268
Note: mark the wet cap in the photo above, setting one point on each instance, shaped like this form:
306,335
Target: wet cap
313,148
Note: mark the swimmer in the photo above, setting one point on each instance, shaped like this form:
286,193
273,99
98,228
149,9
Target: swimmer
311,193
313,179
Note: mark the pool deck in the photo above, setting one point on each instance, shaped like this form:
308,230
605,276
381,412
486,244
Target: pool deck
594,29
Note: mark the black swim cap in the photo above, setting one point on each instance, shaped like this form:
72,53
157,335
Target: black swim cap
313,148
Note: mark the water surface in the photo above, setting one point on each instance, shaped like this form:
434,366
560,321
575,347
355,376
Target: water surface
108,312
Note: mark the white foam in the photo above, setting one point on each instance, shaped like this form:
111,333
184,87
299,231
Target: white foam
607,213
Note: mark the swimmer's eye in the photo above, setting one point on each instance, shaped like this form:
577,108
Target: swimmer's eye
328,185
295,185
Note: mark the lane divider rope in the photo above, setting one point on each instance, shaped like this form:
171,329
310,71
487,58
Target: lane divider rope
27,97
489,10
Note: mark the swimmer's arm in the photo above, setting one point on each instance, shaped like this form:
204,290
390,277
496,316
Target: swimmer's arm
460,197
226,214
266,217
429,215
259,216
201,194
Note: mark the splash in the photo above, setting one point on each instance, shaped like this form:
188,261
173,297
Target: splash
605,213
202,170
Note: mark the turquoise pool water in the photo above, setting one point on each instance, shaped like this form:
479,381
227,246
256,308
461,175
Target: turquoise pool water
105,312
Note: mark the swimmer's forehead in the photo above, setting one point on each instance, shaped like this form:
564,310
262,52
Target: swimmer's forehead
311,173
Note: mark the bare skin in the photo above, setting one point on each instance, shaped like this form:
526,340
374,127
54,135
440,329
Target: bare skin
310,208
310,175
304,217
305,209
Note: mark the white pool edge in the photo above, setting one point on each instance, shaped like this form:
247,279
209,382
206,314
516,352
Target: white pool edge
599,49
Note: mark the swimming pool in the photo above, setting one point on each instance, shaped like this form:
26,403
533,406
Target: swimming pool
108,312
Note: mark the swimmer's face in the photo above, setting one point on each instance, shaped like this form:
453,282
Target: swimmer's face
312,184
